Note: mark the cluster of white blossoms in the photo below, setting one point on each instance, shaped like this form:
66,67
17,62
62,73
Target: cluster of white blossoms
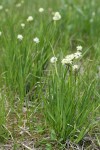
77,55
36,40
23,25
29,19
75,67
68,60
79,48
41,10
56,16
20,37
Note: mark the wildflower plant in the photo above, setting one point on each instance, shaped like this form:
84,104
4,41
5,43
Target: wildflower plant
68,102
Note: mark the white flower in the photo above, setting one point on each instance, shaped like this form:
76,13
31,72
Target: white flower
41,10
36,40
0,33
75,67
79,48
20,37
70,57
29,19
77,55
18,5
57,16
1,7
66,61
22,25
53,59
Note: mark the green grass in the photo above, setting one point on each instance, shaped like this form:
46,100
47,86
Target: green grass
50,99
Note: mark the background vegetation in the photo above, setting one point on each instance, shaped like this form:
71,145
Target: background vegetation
49,103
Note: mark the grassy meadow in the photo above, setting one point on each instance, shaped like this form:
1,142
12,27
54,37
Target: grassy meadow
49,74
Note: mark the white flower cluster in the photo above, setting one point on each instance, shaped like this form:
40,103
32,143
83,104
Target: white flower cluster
69,58
75,68
56,16
29,19
23,25
41,10
79,48
36,40
20,37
